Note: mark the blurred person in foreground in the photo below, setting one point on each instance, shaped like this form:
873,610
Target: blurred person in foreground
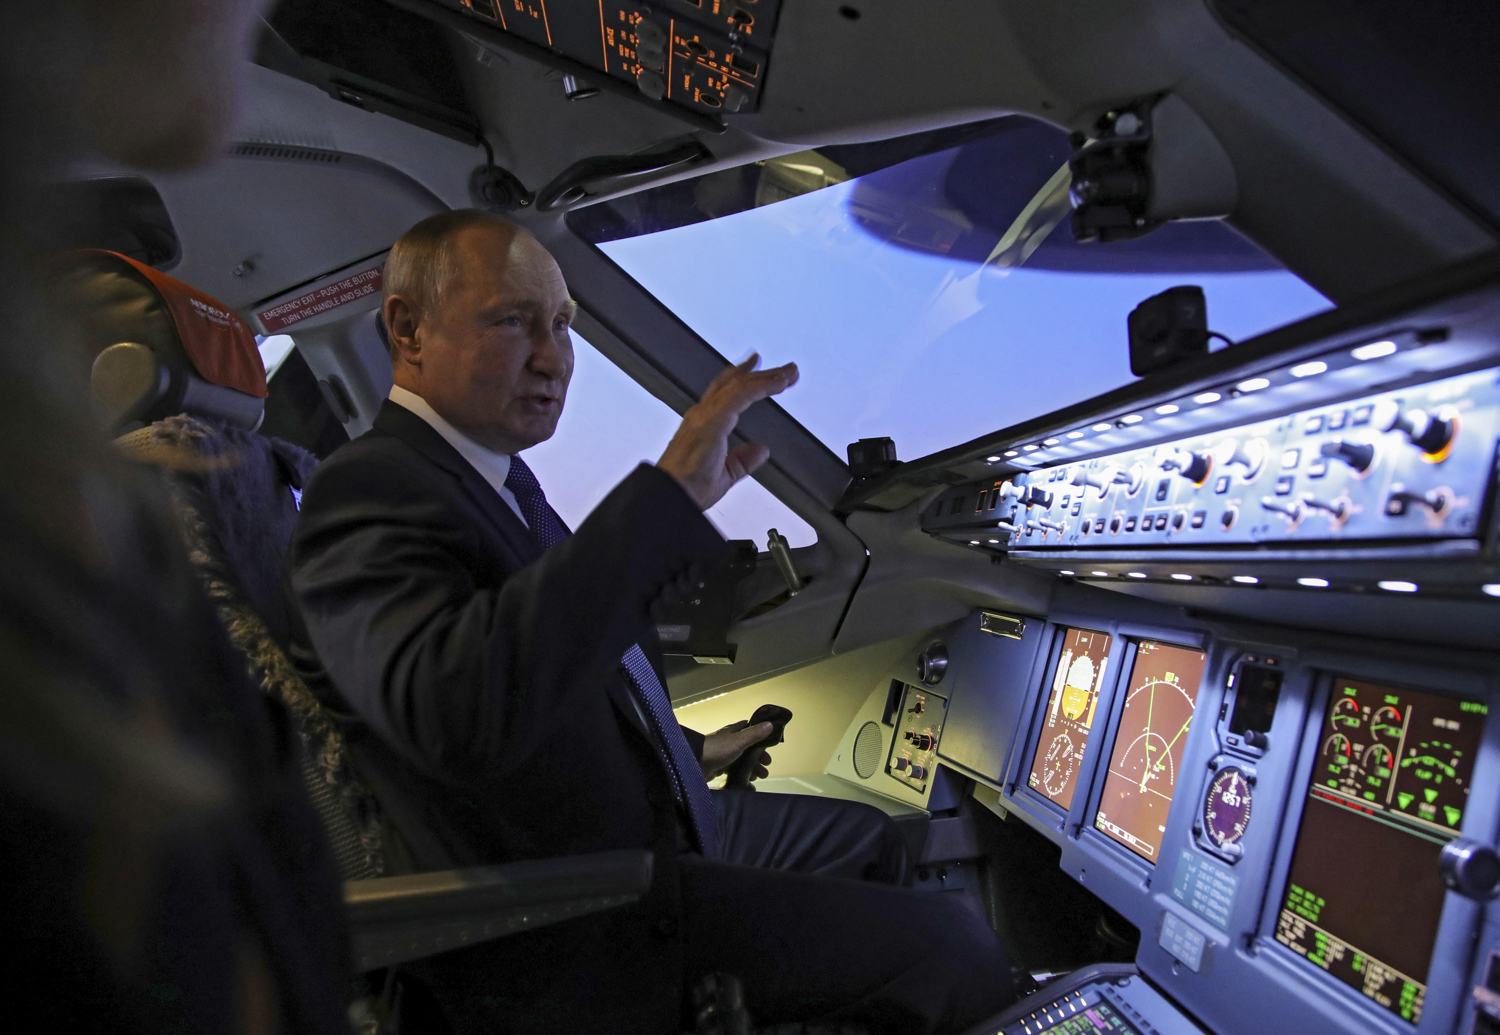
163,871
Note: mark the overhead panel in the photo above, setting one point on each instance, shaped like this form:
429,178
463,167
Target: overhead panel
710,56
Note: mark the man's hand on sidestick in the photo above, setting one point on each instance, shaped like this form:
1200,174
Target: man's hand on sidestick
699,456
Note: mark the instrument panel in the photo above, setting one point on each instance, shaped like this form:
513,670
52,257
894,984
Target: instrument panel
1274,816
709,56
1400,466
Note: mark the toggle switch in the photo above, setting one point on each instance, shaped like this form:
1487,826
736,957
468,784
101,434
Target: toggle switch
1102,479
1292,510
1358,455
1056,526
1439,501
1192,466
1338,509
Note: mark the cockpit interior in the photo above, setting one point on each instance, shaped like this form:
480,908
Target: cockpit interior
1131,535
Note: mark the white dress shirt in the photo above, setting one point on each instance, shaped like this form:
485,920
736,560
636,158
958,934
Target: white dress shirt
493,467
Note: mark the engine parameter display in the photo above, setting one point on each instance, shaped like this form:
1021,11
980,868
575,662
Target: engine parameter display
1070,714
1147,755
1387,793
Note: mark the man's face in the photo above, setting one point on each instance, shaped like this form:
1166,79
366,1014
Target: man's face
496,357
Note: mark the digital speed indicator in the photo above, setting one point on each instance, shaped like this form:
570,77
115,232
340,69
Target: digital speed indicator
1226,808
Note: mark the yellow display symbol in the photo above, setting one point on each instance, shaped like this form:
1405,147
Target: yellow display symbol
1080,680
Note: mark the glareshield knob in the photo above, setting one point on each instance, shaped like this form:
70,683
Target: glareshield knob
932,663
1471,868
1357,455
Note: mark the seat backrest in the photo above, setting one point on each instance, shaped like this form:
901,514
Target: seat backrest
159,344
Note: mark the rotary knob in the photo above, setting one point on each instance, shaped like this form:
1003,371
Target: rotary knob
1192,466
1250,455
1471,868
921,741
1036,496
932,663
1431,433
1358,455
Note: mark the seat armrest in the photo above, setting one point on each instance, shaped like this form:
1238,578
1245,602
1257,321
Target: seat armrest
396,919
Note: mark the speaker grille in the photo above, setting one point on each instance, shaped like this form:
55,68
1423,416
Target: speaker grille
868,744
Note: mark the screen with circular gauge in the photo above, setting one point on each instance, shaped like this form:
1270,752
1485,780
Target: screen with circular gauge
1147,755
1069,717
1388,791
1226,808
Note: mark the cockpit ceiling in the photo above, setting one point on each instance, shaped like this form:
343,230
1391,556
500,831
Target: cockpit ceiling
1310,188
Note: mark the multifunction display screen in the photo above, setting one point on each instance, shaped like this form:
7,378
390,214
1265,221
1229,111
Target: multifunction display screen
1387,793
1070,714
1147,756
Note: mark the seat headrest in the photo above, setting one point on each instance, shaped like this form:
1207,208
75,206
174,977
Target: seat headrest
118,299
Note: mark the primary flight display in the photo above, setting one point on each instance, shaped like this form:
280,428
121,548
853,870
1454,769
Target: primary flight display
1147,755
1069,717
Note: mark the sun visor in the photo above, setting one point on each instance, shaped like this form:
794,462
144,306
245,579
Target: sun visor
217,342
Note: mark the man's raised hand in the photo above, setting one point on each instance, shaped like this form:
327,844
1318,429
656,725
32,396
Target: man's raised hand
699,456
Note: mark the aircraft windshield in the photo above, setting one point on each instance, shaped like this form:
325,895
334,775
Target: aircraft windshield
933,300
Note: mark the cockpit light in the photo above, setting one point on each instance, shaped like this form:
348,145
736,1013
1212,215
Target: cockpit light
1204,398
1100,574
1317,366
992,459
1167,408
1065,572
1312,583
1075,434
1131,418
1051,441
1012,452
1247,580
1374,350
1254,384
1136,574
1491,589
1102,426
1180,577
1397,586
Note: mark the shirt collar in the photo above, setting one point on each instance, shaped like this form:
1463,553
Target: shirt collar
493,467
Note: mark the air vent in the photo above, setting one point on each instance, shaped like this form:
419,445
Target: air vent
869,745
283,153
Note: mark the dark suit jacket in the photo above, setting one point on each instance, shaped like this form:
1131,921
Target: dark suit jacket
479,683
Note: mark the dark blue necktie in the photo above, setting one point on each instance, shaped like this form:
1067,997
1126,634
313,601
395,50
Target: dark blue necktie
682,766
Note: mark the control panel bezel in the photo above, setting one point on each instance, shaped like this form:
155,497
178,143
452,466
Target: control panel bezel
1244,954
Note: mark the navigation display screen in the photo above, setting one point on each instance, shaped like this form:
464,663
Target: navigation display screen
1388,791
1070,714
1147,755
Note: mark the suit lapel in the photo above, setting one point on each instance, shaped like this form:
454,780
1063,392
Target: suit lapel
396,420
399,422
